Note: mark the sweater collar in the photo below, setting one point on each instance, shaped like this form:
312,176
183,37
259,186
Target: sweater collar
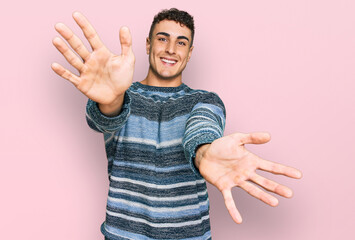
160,89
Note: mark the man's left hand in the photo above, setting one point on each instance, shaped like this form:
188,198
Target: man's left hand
226,163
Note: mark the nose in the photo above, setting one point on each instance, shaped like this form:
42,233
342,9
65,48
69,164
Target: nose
170,47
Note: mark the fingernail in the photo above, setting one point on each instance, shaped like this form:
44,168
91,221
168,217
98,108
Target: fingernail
289,193
274,202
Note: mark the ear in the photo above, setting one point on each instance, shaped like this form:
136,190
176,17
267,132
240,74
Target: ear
147,45
190,52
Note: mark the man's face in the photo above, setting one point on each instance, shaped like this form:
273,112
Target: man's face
169,49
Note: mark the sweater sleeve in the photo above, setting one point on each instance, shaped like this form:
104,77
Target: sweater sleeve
102,123
204,125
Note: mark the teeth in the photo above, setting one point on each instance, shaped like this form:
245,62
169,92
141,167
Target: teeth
168,61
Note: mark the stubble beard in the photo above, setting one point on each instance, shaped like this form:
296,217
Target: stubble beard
158,75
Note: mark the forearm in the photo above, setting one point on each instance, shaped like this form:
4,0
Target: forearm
98,121
113,109
200,153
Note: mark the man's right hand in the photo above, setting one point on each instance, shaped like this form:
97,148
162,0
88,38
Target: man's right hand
104,77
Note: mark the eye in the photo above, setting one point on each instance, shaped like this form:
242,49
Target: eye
162,39
182,43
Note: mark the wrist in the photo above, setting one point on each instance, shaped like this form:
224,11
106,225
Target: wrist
201,153
114,108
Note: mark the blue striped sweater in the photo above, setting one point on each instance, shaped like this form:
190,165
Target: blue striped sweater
156,192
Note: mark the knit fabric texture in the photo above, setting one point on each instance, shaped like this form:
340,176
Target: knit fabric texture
155,191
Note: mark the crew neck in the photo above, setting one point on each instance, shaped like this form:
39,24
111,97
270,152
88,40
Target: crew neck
160,89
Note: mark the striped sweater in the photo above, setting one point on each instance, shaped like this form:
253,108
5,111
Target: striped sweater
156,192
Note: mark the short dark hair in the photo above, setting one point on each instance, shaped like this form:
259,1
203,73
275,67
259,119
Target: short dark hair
176,15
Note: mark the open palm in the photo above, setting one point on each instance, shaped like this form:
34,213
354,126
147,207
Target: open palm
104,76
227,163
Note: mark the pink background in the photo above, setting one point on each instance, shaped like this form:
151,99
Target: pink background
282,66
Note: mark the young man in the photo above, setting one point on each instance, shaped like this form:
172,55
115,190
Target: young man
163,139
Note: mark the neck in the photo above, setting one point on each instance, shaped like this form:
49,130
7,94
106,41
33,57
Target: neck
153,79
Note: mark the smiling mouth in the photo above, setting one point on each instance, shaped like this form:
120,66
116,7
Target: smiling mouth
169,62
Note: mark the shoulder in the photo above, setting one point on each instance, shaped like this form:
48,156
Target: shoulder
204,98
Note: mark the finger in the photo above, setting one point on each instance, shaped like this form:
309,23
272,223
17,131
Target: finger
232,209
88,30
69,55
126,41
66,74
271,185
258,193
252,138
76,44
277,168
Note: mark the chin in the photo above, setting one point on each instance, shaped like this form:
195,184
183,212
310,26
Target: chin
168,76
165,75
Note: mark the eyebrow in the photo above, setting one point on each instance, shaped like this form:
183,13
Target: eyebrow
168,35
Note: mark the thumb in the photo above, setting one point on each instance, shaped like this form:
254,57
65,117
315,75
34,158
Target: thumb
252,138
126,41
